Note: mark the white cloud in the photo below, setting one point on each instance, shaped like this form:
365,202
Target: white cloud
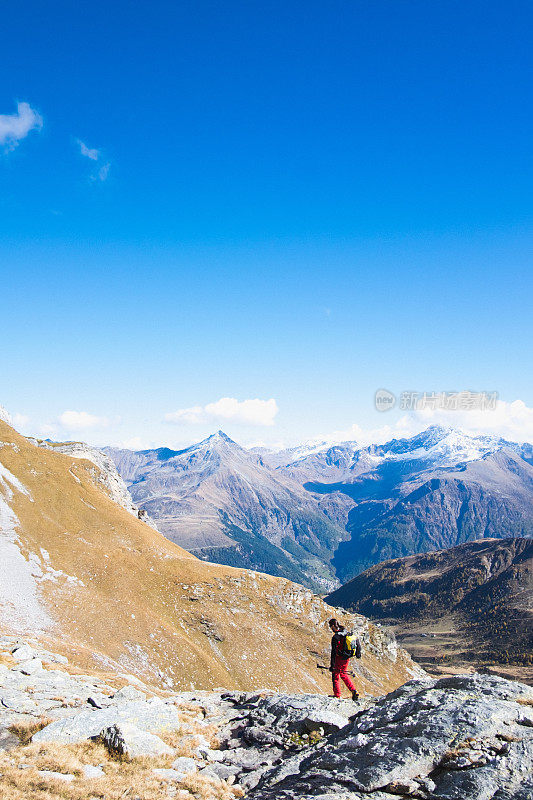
15,127
513,421
103,172
15,420
88,152
227,409
80,420
135,443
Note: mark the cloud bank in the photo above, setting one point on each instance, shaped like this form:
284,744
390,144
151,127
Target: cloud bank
81,420
227,409
15,127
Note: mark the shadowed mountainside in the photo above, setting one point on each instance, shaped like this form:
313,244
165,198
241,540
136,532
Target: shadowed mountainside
474,601
434,491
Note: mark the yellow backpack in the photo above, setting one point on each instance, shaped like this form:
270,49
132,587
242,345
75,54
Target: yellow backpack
351,646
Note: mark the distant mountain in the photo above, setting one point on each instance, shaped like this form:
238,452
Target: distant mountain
291,455
435,490
473,602
225,504
323,513
330,463
439,446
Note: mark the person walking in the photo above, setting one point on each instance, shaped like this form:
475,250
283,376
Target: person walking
340,660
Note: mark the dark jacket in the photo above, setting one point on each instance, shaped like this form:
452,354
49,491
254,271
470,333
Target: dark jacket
337,646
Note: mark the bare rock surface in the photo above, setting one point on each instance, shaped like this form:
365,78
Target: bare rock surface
128,740
465,737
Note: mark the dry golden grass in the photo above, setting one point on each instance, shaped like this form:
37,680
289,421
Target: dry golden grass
525,701
25,730
123,780
185,746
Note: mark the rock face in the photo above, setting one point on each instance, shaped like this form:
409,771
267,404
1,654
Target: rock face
466,737
482,590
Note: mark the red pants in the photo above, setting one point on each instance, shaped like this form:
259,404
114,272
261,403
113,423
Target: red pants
340,672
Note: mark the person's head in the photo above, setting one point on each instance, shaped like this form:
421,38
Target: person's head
335,625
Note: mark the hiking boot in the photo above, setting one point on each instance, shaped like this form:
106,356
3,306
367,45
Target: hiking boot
355,696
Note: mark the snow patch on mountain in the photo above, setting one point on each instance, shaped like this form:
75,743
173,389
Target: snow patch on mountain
20,607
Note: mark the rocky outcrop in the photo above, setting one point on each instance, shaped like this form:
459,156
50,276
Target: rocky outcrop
105,473
466,737
460,738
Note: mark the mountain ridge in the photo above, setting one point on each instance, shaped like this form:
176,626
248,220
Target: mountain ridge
474,600
321,513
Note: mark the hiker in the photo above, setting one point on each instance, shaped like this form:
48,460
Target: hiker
340,660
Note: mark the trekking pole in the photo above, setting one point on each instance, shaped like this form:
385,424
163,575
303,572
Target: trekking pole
321,666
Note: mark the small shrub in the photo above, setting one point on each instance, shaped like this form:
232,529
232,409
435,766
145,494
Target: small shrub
25,730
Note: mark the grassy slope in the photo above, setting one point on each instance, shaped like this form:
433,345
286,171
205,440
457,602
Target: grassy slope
149,607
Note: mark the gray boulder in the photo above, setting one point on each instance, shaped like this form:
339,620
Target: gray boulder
127,694
22,652
225,772
30,667
465,737
184,764
130,741
17,701
90,772
169,774
56,776
150,715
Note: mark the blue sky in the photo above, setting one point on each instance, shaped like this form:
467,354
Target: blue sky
286,205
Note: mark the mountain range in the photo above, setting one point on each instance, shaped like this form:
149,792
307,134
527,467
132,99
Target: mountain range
226,504
321,514
82,575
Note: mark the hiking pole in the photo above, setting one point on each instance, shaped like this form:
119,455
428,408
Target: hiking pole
321,666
